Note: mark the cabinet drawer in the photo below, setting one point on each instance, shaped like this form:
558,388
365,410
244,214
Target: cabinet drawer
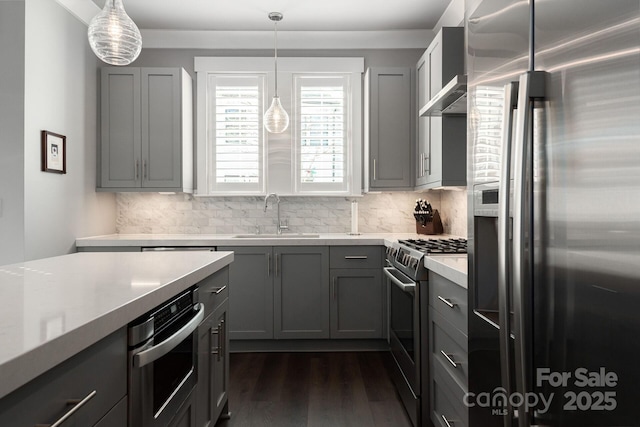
99,371
449,299
448,401
355,257
214,290
449,347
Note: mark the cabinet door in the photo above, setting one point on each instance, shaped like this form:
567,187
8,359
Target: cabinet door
250,293
301,286
390,128
161,127
213,367
120,141
422,131
219,390
357,303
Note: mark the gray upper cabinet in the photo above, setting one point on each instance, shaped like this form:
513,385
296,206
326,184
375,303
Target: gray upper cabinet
251,292
146,141
301,297
440,158
389,128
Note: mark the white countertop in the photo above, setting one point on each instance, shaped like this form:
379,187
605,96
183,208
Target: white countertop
452,267
326,239
54,308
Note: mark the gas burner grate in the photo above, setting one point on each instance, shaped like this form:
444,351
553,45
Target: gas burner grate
437,246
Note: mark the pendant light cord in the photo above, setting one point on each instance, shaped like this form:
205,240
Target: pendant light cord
275,25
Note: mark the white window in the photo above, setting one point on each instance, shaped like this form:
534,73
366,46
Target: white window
235,104
322,133
319,154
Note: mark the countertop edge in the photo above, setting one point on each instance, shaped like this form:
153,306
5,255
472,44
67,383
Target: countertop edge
437,265
26,367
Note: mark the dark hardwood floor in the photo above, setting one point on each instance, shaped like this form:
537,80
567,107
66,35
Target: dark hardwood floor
312,389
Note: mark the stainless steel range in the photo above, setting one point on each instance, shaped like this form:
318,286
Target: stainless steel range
408,326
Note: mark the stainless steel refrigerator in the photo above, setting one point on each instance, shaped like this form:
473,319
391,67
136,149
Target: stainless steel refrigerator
554,225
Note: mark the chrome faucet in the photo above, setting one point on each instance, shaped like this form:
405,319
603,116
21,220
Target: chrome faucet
282,225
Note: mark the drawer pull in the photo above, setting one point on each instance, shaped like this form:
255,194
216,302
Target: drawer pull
446,421
355,257
446,301
449,359
216,291
77,405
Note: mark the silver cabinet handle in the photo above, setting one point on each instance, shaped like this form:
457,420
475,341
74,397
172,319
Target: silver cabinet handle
421,166
504,252
137,169
216,332
427,161
217,291
77,405
374,169
276,266
355,257
531,87
446,421
223,340
144,169
449,359
268,264
157,351
447,302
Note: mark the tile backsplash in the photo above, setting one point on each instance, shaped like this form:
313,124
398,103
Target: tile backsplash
377,213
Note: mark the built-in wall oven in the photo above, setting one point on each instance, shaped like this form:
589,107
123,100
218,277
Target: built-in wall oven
162,360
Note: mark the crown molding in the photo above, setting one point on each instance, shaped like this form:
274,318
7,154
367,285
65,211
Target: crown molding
177,39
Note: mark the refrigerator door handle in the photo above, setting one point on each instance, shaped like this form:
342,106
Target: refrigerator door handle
531,87
504,251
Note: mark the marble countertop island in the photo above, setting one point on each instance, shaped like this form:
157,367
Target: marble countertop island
56,307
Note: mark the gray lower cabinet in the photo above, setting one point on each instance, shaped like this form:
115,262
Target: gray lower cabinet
301,292
389,128
251,295
96,377
448,344
358,295
357,303
211,398
146,137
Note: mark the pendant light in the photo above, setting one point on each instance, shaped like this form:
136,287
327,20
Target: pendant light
276,119
113,36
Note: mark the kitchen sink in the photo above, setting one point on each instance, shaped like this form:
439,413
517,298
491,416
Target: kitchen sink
277,236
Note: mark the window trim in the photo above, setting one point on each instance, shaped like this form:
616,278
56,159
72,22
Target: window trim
287,66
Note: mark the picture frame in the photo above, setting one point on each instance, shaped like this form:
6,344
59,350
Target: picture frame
54,152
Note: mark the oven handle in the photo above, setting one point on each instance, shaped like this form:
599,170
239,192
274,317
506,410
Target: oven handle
157,351
406,287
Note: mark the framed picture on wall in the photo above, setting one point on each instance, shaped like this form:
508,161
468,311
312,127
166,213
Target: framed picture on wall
54,152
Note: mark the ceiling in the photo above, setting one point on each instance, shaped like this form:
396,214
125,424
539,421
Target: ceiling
299,15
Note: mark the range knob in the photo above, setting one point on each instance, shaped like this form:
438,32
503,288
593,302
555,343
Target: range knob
414,263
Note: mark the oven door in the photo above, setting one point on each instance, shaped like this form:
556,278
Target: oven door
404,326
162,372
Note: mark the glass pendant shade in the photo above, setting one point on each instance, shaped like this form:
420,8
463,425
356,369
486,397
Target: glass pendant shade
113,36
276,119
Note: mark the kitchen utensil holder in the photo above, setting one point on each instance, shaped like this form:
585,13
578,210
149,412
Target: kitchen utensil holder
431,226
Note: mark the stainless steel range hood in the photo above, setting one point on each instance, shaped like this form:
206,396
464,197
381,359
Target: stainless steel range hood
452,99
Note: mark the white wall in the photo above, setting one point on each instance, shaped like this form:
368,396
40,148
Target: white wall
11,131
60,95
